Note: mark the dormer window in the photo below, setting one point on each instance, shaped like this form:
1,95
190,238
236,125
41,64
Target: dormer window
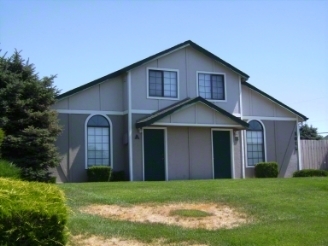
211,86
162,83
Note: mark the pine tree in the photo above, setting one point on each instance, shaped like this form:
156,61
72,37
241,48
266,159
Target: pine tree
31,127
309,133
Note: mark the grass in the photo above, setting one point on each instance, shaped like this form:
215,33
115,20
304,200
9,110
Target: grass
189,213
285,211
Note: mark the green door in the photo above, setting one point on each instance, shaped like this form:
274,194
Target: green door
222,154
154,154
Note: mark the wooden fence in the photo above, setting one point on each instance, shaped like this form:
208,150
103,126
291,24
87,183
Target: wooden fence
315,154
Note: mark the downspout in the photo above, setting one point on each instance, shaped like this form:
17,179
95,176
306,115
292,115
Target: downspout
242,134
130,127
299,151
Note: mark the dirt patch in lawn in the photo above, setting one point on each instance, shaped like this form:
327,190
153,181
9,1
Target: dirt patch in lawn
83,240
220,216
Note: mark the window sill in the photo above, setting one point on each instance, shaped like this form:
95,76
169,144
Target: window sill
163,98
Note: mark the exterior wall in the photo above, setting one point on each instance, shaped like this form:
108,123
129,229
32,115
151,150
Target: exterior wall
137,149
107,96
254,104
71,146
281,147
197,114
238,167
187,61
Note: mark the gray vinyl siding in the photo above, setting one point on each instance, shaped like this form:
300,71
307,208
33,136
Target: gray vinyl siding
238,166
107,96
137,149
189,153
187,61
200,143
71,146
254,104
280,147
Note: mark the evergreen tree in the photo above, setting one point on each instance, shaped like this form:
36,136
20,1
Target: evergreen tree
31,127
309,133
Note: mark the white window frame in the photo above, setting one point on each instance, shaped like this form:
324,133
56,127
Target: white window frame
264,144
167,70
86,139
224,83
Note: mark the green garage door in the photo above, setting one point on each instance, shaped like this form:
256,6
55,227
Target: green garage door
154,154
222,154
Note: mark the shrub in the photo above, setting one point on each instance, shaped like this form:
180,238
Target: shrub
266,170
32,214
2,135
99,173
117,176
9,170
310,173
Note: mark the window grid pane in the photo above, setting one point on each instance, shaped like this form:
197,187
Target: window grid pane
98,146
211,86
163,84
255,143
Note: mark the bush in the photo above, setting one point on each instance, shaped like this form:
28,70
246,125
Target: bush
32,214
266,170
2,135
9,170
310,173
99,173
117,176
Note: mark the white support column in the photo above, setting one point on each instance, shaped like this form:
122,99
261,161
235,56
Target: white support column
299,150
130,127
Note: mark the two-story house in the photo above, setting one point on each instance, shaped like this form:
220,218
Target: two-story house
183,113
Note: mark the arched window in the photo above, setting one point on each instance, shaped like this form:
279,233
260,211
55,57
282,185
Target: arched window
255,143
98,136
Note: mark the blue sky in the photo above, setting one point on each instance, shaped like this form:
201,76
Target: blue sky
282,45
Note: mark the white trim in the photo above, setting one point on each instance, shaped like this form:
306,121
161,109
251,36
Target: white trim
246,117
194,125
165,149
78,111
224,82
142,111
299,150
86,140
231,151
130,143
264,144
242,136
165,70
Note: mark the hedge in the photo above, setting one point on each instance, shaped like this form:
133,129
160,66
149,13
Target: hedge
32,213
9,170
266,170
310,173
99,173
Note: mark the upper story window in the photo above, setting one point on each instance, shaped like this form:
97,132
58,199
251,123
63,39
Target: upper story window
211,86
162,83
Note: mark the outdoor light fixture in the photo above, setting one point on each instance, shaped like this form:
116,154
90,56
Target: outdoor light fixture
236,136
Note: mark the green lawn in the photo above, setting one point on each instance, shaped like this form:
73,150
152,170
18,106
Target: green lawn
284,211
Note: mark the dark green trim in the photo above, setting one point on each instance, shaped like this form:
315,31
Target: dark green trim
136,64
173,108
275,100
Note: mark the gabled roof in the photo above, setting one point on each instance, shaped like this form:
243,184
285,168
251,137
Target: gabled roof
243,75
274,100
183,103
